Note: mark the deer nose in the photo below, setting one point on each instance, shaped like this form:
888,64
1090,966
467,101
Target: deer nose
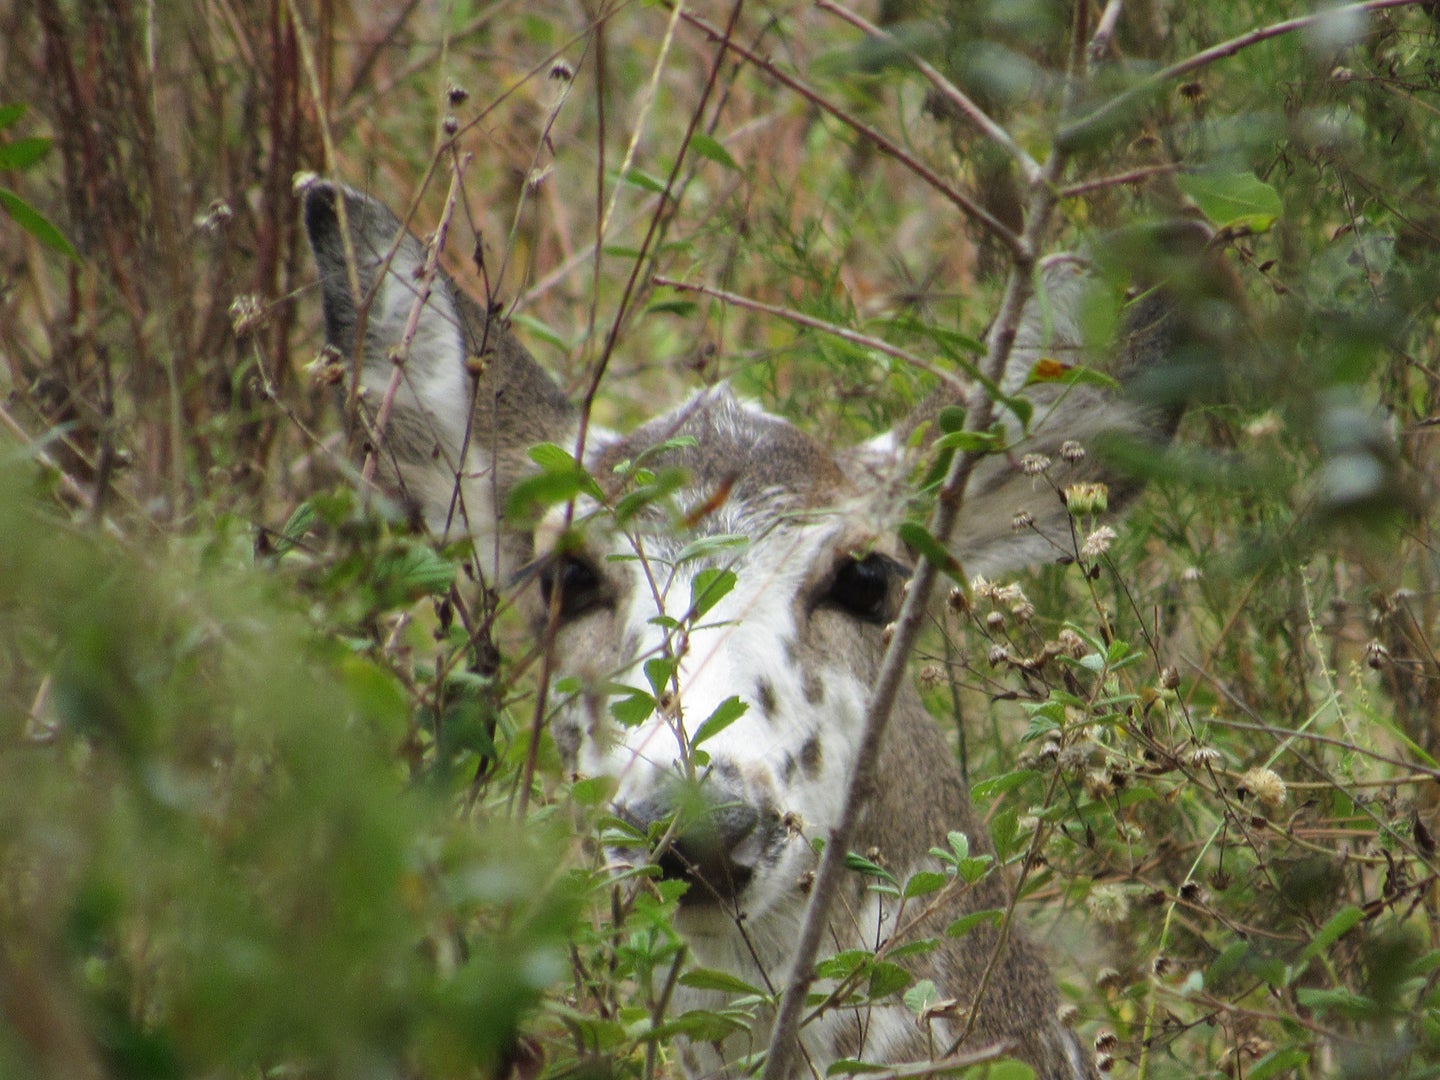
716,844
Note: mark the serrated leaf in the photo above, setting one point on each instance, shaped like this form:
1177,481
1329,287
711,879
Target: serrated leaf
974,868
963,925
887,978
1233,200
712,150
725,714
35,223
634,710
1003,831
918,538
416,570
710,979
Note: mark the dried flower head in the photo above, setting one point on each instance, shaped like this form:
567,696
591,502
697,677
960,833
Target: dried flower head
997,655
1034,464
1072,451
1191,574
957,600
1266,786
1072,643
560,71
457,95
931,676
1106,1040
995,621
1169,677
216,216
247,314
1204,757
1377,655
1097,543
985,590
1023,519
1109,905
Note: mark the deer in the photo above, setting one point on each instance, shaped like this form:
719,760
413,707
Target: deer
808,535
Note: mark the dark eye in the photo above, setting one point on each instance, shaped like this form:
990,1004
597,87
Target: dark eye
862,587
577,582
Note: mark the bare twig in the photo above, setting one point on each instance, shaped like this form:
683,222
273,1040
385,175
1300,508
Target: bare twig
865,341
883,143
1029,167
1083,128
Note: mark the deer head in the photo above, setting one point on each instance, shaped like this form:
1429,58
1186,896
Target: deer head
719,671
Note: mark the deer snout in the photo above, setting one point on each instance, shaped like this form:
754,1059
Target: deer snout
714,839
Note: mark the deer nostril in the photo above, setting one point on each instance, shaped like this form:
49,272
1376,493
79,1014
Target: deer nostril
715,847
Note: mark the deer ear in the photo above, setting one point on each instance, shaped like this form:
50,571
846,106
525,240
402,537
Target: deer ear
1015,514
470,399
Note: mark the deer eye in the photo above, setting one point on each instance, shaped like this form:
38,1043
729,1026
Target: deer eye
862,587
577,582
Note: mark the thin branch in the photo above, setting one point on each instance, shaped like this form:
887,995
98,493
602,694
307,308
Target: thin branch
1083,128
1029,167
1134,176
884,144
801,319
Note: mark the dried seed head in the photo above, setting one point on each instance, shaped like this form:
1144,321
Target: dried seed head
1192,893
247,314
985,590
1072,451
1009,594
1098,785
1162,965
1067,1014
1034,464
328,367
450,125
1107,978
560,71
1377,655
1203,757
995,621
457,95
1023,611
1106,1041
1072,643
1266,786
1097,543
997,655
1169,678
1191,574
1104,1063
1109,905
931,676
957,600
1023,519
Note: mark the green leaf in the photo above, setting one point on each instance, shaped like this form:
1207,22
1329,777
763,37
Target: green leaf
644,181
22,153
1010,1070
711,150
552,458
1338,925
708,588
853,1067
963,925
872,869
710,979
971,442
923,883
1233,200
593,790
9,114
659,671
1273,1064
634,710
1003,831
416,570
921,996
918,538
36,224
1345,1002
296,526
725,714
544,490
887,978
1001,784
709,545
